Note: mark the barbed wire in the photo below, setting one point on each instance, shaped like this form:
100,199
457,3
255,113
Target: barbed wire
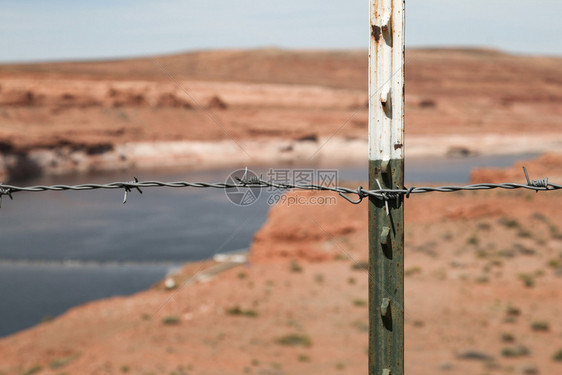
259,182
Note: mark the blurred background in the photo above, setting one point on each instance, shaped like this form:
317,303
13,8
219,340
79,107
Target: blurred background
95,92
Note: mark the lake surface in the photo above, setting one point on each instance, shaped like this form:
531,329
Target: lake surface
61,249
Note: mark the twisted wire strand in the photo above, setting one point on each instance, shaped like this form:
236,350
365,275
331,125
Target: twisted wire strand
345,192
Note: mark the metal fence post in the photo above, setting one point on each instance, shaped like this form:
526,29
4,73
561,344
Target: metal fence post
386,170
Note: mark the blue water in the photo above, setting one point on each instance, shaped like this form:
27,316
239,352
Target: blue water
119,249
31,293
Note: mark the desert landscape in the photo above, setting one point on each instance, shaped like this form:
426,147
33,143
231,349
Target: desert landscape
483,285
214,109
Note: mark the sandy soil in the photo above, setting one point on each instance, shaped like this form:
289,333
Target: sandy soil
81,116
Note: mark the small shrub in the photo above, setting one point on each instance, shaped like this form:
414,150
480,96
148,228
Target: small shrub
473,240
412,271
276,365
146,316
125,368
61,362
255,362
554,263
180,370
295,267
448,236
237,311
508,222
427,103
528,369
512,311
475,355
171,320
507,337
482,254
360,266
340,366
294,339
359,302
303,358
524,233
554,231
528,279
540,241
418,323
515,351
341,257
319,278
539,273
506,253
33,370
540,326
242,275
484,226
557,356
510,319
482,279
351,280
540,217
521,249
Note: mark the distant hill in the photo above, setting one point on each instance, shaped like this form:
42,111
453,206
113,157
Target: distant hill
342,69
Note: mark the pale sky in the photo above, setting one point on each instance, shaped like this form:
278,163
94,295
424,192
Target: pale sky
35,30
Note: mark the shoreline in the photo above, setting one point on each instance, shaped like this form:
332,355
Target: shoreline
199,155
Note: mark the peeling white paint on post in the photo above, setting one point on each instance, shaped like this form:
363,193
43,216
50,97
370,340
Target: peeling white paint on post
386,170
386,80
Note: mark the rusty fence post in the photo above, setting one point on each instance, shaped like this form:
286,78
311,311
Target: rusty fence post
386,170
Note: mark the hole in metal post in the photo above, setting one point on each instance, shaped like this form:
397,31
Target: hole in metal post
376,32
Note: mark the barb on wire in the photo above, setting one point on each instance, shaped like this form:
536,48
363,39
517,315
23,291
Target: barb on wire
5,191
385,198
259,182
128,187
247,181
537,183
